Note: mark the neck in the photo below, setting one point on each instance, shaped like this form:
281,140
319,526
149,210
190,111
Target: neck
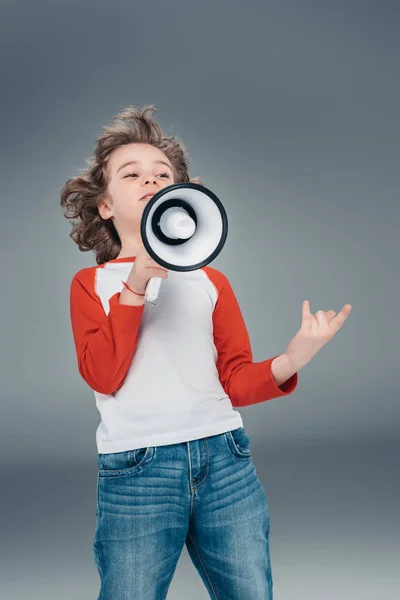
129,247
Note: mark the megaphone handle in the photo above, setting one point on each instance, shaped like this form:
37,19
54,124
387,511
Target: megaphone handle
152,289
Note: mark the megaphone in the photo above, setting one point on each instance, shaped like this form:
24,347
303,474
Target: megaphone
184,227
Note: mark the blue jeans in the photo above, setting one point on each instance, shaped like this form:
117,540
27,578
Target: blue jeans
204,493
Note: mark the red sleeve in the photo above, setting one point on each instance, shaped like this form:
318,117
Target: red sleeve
104,343
246,382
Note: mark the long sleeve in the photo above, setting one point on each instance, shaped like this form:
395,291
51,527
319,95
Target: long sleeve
105,343
246,382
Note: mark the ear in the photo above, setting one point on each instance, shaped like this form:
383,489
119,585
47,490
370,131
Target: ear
104,209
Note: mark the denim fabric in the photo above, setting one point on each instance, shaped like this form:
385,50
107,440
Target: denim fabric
203,493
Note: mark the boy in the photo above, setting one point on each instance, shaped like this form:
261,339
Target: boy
174,461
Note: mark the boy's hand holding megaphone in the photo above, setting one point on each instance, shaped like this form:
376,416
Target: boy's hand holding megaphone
144,268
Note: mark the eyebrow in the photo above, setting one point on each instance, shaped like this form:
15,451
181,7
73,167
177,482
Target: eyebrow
134,162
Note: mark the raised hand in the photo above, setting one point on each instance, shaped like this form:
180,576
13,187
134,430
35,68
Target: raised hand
314,332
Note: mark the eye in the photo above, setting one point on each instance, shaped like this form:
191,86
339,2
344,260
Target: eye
135,175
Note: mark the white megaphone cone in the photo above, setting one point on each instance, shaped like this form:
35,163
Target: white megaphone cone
184,227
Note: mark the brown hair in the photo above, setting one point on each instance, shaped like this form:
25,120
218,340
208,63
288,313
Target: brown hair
81,194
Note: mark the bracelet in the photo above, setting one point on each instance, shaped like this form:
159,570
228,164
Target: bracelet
131,290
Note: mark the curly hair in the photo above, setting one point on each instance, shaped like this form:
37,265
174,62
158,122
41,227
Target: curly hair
81,194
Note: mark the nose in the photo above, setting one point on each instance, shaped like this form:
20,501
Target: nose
149,179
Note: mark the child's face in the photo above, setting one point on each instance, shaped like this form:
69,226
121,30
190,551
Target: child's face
128,184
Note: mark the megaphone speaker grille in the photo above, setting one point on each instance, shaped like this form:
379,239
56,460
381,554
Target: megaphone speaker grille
160,210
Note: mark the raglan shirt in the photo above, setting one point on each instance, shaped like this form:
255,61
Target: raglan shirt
166,373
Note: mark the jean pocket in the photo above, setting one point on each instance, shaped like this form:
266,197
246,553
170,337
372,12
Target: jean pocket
128,462
239,443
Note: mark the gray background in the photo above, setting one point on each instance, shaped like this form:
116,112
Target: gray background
289,110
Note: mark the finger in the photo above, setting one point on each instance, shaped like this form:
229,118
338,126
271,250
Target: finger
338,321
152,264
306,310
155,265
321,319
329,314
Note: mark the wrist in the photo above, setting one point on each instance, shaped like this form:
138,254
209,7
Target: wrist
292,364
133,288
282,369
130,296
127,298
